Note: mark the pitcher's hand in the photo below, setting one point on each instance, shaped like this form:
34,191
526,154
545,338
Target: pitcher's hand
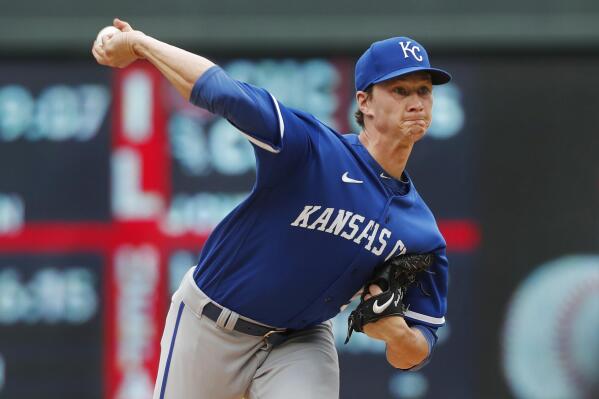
117,50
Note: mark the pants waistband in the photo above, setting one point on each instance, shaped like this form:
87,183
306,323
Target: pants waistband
198,302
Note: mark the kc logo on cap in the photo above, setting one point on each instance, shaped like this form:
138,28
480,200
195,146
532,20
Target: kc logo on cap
394,57
405,46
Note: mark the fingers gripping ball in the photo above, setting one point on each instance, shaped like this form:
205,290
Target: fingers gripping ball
393,277
107,31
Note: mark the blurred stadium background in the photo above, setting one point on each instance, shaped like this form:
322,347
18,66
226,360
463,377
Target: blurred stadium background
110,183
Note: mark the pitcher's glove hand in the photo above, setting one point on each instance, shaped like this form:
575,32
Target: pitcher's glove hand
393,277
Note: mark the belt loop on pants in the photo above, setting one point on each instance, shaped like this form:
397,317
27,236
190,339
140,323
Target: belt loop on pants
272,337
213,312
225,318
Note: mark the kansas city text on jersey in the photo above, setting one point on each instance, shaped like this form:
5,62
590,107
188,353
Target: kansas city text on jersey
351,226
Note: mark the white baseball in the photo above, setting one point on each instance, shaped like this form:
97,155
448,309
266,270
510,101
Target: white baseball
109,30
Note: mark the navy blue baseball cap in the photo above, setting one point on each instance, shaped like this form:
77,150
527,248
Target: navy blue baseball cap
390,58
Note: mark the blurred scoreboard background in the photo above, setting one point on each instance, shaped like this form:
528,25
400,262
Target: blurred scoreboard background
110,183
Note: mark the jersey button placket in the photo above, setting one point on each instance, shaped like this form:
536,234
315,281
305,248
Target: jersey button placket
386,214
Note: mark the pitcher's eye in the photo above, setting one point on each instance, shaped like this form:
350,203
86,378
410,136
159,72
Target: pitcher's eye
423,91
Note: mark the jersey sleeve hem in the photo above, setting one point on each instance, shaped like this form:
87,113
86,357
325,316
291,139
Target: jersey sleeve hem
424,319
255,113
263,144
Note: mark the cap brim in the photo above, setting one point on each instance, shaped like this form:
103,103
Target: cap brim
438,76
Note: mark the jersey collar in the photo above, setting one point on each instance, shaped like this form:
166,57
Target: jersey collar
397,187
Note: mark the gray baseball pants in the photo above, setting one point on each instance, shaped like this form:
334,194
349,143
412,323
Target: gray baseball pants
201,359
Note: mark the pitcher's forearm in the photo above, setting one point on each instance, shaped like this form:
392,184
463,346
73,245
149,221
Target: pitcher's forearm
180,67
407,350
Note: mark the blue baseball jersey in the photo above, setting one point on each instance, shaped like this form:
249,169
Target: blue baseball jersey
321,216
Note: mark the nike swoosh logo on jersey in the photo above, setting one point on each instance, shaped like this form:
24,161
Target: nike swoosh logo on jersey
346,179
384,176
379,309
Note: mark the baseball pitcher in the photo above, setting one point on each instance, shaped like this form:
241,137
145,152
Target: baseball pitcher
330,216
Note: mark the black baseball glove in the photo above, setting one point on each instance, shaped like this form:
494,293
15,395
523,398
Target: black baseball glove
394,277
